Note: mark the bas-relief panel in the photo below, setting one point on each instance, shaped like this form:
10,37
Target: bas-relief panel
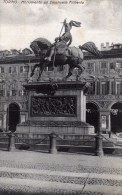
58,106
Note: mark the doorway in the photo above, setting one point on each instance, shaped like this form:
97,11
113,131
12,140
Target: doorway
13,113
116,118
92,115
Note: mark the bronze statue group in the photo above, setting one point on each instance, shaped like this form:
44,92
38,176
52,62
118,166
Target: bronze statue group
60,53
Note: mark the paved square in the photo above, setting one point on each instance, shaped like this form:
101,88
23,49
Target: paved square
35,173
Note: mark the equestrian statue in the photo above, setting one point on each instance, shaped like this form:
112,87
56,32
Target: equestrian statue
60,53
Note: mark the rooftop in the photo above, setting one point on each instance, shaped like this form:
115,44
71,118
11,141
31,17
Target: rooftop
114,52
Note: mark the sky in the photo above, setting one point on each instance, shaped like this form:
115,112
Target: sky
21,23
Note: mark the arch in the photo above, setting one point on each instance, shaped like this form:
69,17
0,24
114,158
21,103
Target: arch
96,104
17,103
114,102
13,116
116,117
92,114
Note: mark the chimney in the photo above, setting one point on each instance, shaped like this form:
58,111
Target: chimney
102,45
107,44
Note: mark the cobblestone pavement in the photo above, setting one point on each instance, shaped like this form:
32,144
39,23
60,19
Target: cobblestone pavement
36,173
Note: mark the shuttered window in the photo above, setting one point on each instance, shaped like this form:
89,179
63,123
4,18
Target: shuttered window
112,88
1,69
105,88
119,88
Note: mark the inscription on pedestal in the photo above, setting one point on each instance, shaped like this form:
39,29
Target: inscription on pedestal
58,106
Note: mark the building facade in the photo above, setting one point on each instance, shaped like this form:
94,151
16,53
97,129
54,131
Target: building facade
104,98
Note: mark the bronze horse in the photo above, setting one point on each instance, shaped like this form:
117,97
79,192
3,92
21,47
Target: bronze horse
72,56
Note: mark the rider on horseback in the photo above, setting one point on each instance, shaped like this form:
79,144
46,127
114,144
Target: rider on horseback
72,56
63,42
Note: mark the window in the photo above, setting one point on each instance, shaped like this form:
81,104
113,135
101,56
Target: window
50,68
104,88
8,93
60,68
1,120
1,69
112,66
21,69
13,92
1,93
24,69
14,70
119,88
92,89
90,65
21,93
10,70
112,87
103,65
118,64
13,85
98,88
1,90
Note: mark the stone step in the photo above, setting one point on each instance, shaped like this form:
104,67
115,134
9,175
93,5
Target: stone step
34,181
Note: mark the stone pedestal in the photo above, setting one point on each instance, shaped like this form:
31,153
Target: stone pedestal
11,144
99,145
58,107
53,149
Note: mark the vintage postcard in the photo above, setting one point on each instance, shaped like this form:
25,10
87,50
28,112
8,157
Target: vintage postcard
60,97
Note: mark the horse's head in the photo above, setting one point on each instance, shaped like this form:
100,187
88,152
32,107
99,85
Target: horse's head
34,46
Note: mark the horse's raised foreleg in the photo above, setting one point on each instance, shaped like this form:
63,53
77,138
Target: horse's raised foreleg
81,68
69,73
40,73
42,65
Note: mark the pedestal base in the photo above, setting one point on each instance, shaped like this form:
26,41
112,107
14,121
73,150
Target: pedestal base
59,127
58,107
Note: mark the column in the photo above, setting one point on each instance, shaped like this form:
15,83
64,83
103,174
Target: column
100,87
108,122
115,86
99,141
4,120
5,88
96,87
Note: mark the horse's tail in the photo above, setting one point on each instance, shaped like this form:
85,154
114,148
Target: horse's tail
91,48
